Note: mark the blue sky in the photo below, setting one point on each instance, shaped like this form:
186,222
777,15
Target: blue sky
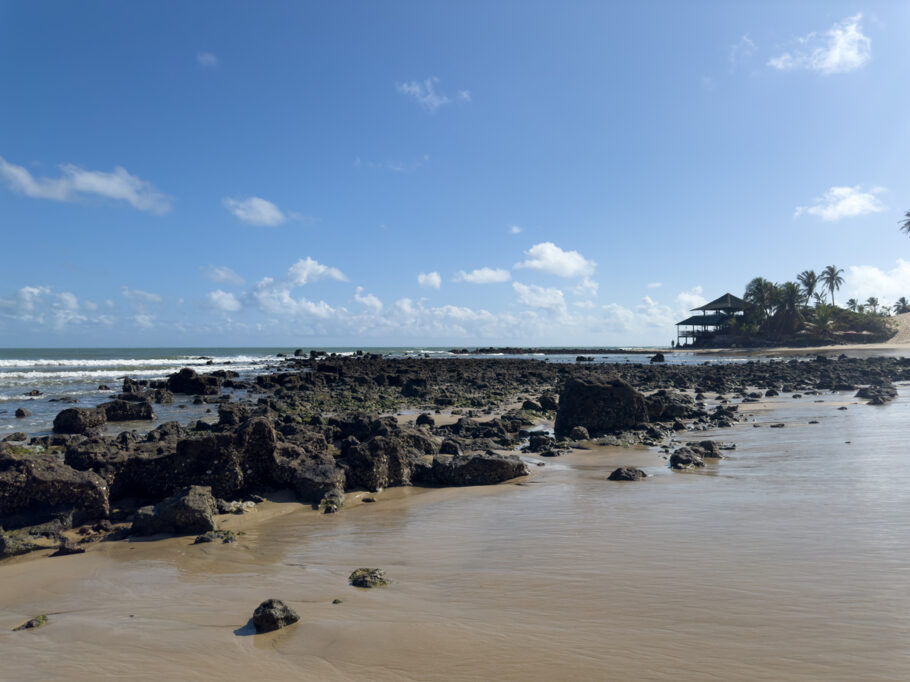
439,173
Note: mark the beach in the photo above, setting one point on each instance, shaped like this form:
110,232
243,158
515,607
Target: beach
786,560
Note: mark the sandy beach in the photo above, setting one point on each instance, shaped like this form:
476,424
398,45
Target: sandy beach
737,571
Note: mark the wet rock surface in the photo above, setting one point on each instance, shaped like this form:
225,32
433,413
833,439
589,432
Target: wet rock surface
368,578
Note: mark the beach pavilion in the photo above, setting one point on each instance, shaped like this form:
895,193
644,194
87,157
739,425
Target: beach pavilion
712,323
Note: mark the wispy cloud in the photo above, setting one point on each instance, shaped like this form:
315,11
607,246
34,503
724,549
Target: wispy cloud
74,183
514,229
394,165
740,52
206,60
139,296
255,211
844,202
426,94
840,49
429,280
223,274
369,300
308,270
483,276
547,257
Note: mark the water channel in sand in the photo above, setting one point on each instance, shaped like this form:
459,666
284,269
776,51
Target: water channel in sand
789,560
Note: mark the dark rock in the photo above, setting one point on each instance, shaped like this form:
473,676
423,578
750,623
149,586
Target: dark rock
530,406
190,511
41,488
21,413
368,577
82,420
600,405
38,622
477,469
627,474
188,382
273,614
425,420
67,548
658,357
15,436
579,433
548,402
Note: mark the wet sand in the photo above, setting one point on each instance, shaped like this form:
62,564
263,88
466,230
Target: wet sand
789,560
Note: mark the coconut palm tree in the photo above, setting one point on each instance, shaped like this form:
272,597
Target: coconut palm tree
809,280
872,302
851,304
905,223
831,279
761,293
902,306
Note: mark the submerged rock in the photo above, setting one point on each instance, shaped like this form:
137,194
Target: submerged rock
273,614
368,577
627,474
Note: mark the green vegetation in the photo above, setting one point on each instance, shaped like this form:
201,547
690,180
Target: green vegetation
798,313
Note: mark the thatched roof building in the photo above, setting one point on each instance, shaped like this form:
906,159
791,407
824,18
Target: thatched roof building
713,322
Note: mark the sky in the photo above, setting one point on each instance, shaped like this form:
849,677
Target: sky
439,173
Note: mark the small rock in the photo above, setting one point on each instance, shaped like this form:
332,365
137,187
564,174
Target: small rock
68,548
273,614
33,623
21,413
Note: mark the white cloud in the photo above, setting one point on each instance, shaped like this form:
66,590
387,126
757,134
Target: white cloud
223,300
28,296
144,320
369,300
863,281
535,296
514,229
307,270
618,318
483,276
585,304
841,49
426,95
76,182
547,257
655,285
224,274
68,301
255,211
586,287
844,202
429,280
277,300
139,296
206,60
687,300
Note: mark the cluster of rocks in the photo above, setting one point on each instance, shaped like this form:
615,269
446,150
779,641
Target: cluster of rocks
311,426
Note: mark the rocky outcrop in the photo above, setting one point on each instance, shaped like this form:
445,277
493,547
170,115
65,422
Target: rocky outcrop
39,489
189,512
600,405
81,420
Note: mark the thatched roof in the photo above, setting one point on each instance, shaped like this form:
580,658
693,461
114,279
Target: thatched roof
714,320
726,302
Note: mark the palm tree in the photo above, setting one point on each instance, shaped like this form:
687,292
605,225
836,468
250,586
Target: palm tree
760,293
788,303
872,302
809,280
831,279
851,304
902,305
905,223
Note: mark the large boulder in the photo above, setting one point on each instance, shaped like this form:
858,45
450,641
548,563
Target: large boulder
82,420
127,410
273,614
189,512
627,474
42,488
685,458
600,405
